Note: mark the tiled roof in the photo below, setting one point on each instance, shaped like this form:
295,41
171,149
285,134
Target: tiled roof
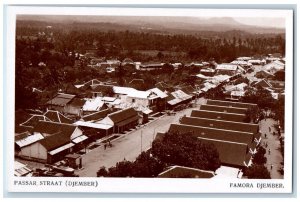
218,115
235,154
214,133
227,125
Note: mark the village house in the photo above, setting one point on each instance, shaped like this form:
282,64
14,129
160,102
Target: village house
92,125
66,103
122,120
50,142
93,105
274,66
176,98
244,64
235,92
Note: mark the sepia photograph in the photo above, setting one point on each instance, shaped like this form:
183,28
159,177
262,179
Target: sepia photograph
151,94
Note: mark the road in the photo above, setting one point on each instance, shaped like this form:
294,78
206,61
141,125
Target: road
274,158
128,146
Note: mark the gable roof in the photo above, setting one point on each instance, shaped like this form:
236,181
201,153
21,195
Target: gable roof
227,125
214,133
229,103
123,115
51,128
61,99
225,109
218,115
231,153
56,116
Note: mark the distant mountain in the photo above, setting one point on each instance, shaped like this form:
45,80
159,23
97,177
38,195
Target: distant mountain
160,24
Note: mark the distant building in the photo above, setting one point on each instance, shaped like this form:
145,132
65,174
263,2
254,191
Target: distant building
66,103
274,66
229,69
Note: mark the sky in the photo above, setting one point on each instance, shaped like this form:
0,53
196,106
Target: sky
262,21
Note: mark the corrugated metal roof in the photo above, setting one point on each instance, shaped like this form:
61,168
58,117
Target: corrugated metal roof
93,104
79,139
62,148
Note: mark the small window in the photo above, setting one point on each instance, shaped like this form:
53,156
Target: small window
133,100
202,133
211,125
218,117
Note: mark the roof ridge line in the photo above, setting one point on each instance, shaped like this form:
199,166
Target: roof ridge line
214,128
